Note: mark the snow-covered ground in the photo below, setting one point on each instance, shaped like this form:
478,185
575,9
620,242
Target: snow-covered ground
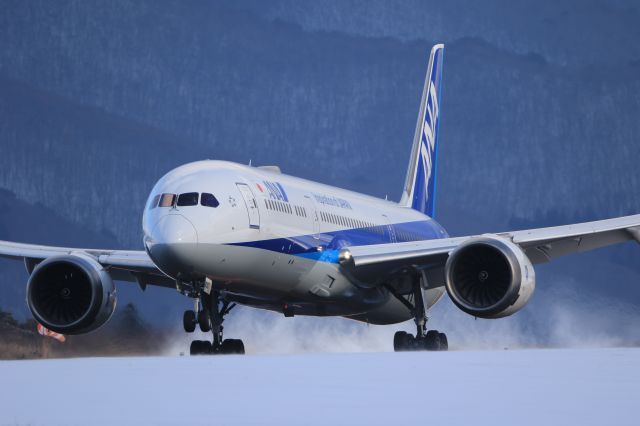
509,387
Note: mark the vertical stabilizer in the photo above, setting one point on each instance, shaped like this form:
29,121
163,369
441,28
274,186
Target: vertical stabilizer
420,185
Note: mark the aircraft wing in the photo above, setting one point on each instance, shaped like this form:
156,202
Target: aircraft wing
123,265
540,245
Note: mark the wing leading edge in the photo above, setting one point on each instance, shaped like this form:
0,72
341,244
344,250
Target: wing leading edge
540,245
123,265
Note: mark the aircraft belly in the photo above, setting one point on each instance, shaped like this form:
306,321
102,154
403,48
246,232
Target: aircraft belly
393,311
271,280
254,272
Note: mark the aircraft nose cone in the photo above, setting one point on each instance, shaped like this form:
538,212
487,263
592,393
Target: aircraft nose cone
174,229
172,244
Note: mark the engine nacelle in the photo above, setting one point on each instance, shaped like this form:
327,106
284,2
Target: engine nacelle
71,294
489,277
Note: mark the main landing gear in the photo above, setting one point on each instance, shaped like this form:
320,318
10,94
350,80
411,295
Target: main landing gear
424,340
209,312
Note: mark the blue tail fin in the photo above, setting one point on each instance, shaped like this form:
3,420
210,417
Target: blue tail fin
420,185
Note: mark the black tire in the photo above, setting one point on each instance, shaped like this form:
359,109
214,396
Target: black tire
206,348
200,347
432,341
444,343
401,341
226,348
232,347
189,321
195,348
203,321
239,347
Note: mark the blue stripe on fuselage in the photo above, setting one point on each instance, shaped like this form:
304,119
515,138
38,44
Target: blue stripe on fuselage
330,243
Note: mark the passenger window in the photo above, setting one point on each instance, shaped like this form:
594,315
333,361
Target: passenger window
208,200
188,199
167,200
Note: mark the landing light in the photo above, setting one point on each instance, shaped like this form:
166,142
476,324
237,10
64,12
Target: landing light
345,256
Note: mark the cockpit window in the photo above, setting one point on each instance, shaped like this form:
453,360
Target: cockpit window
167,200
209,200
188,199
154,203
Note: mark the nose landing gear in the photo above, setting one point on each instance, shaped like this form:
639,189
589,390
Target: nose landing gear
209,312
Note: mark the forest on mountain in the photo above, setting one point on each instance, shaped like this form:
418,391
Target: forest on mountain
539,122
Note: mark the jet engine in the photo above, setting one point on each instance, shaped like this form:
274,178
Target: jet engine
489,277
71,294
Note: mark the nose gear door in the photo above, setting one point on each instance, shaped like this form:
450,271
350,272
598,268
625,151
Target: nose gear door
251,204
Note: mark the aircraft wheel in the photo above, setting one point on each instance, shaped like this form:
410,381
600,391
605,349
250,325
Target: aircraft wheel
444,343
432,341
239,347
401,341
189,321
200,347
226,347
232,347
203,321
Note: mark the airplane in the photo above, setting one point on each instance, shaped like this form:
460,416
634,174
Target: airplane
227,234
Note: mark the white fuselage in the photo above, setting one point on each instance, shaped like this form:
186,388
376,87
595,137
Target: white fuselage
270,240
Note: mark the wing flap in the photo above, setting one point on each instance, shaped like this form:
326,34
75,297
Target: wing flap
544,244
628,224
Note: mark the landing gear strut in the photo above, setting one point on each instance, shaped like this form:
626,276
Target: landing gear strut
424,340
209,312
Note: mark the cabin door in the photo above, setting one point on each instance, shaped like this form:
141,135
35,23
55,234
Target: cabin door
251,204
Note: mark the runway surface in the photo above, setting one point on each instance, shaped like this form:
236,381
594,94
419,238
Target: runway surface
524,387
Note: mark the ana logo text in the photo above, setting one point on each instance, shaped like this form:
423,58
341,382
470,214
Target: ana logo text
276,191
